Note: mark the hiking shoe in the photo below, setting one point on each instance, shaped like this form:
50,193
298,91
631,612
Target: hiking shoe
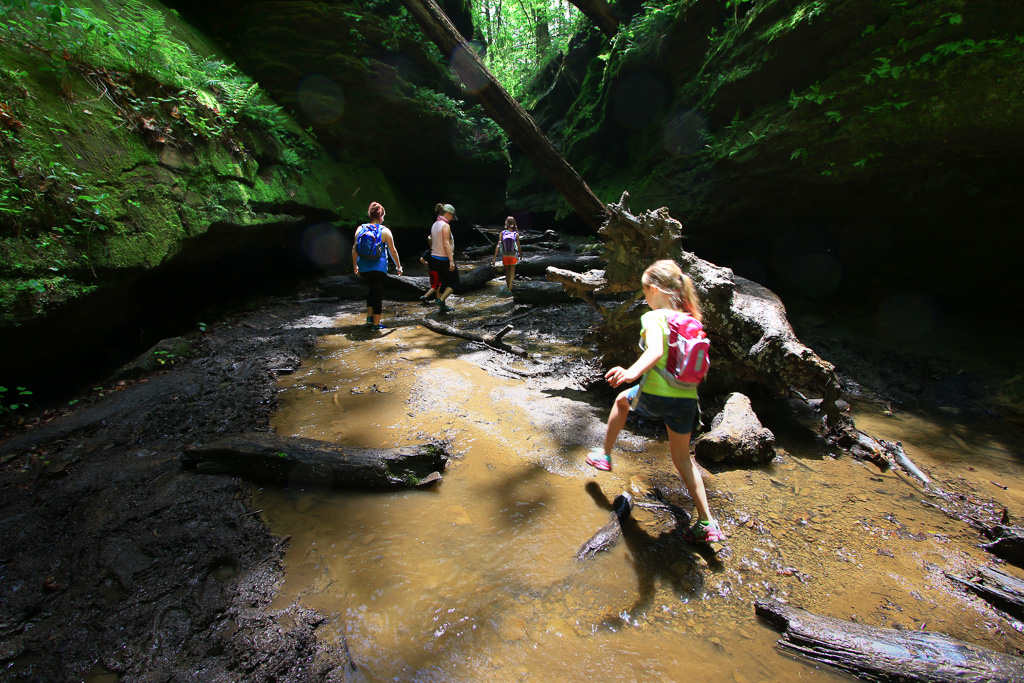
368,323
704,533
379,327
425,300
442,307
598,459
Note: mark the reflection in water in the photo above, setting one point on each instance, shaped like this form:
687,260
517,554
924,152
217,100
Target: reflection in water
476,578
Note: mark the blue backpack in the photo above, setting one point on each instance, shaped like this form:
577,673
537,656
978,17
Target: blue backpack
369,243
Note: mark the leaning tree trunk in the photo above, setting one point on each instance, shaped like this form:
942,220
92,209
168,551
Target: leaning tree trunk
506,112
601,13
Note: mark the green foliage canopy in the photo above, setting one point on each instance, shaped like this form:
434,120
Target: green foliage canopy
521,36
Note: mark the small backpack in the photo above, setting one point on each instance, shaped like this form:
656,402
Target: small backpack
369,243
688,350
508,241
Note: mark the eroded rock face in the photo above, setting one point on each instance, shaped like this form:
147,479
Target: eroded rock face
737,436
371,90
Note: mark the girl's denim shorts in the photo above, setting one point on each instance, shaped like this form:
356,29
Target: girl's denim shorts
677,413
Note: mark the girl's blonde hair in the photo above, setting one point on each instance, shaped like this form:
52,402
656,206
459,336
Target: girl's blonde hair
510,223
439,209
667,276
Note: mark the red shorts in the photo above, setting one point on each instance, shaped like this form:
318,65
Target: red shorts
434,280
509,260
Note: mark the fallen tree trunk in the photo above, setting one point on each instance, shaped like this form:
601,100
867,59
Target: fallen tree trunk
309,463
609,534
540,293
506,111
537,266
492,341
601,13
395,289
883,654
998,588
477,278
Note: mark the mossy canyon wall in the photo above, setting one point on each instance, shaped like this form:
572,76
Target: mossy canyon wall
870,149
145,174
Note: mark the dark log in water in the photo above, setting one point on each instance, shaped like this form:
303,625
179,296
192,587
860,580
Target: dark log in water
537,266
309,463
1008,544
540,293
396,289
609,534
884,654
998,588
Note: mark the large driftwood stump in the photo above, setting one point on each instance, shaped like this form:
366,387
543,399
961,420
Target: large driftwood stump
752,342
300,462
885,654
736,436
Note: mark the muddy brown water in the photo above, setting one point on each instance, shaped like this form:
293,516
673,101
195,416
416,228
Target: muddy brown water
476,578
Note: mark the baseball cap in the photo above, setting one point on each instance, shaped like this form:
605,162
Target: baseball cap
448,208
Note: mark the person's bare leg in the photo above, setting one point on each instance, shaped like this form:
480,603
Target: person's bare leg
616,421
679,448
510,275
447,293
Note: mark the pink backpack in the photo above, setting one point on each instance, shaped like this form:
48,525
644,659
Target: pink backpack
688,350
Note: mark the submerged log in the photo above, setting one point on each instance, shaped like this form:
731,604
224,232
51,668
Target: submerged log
609,534
736,436
301,462
884,654
997,588
493,341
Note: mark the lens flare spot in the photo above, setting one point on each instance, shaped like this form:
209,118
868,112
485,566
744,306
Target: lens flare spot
321,99
469,68
684,133
323,244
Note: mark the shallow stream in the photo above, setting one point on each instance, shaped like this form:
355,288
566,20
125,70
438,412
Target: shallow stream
476,579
